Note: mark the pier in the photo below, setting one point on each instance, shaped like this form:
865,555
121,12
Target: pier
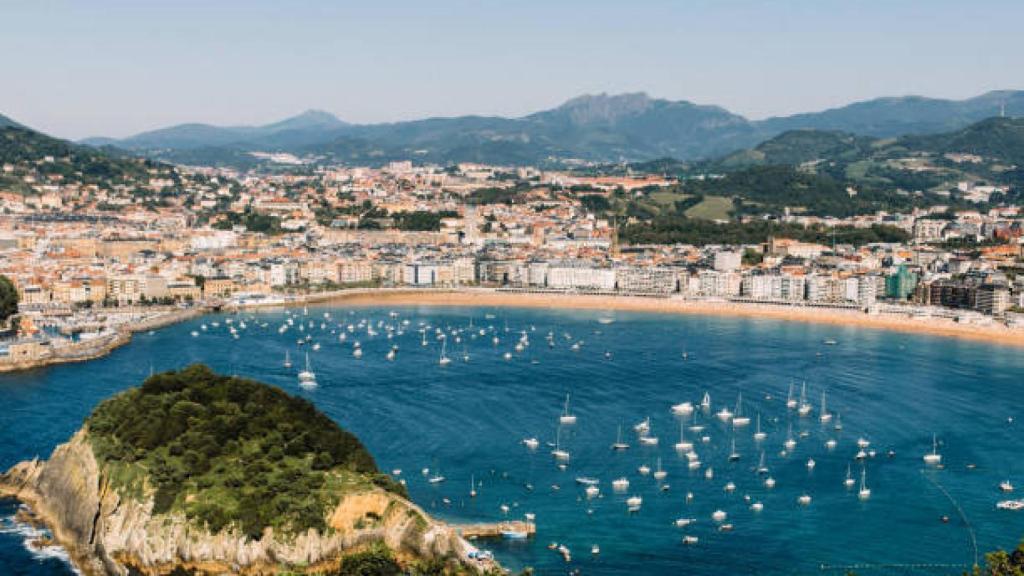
495,529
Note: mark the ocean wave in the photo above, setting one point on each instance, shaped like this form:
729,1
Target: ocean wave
29,534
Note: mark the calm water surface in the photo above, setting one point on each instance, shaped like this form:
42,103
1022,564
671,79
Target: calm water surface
468,419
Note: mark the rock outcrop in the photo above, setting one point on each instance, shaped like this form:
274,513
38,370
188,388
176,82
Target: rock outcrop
106,532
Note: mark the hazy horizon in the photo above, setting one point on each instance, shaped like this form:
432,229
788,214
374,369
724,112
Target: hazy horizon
116,68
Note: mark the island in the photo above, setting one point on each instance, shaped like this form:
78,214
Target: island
199,473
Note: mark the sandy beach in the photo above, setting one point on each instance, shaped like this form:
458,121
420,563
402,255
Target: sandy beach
994,333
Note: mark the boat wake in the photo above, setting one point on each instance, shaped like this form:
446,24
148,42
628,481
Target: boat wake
31,537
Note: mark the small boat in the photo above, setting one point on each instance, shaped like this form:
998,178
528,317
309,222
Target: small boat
719,516
660,474
1005,486
830,444
633,503
287,360
830,342
644,470
683,522
838,423
620,485
587,481
804,500
761,468
803,409
472,486
437,478
444,360
357,353
790,401
390,355
619,444
824,416
1012,505
730,487
194,334
649,440
934,457
739,419
595,549
758,434
863,443
690,540
567,418
849,481
864,493
756,507
643,427
683,446
709,474
558,453
592,491
531,443
307,377
724,414
769,482
810,464
683,409
705,402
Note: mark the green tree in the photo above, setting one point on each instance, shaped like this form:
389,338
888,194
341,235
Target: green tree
8,299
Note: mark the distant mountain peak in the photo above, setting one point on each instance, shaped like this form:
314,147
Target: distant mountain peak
604,107
311,118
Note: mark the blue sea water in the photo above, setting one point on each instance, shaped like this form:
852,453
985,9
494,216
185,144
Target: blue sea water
467,420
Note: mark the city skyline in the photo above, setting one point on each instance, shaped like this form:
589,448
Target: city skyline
116,69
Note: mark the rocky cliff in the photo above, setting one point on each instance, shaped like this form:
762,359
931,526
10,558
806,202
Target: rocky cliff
112,526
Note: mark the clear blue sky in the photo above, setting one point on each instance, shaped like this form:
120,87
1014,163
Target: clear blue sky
116,67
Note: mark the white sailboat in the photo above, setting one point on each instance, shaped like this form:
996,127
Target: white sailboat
660,474
733,454
307,377
739,419
558,453
849,481
864,493
705,402
567,418
790,401
762,469
934,457
804,408
758,434
444,360
287,360
825,416
619,444
683,445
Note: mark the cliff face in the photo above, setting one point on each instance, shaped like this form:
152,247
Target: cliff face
106,532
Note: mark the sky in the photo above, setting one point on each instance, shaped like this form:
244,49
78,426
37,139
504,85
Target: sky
81,68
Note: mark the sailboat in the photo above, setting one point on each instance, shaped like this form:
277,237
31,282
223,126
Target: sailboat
472,486
619,444
733,454
790,443
790,401
849,481
558,453
825,416
437,477
934,457
660,474
444,360
864,493
683,445
758,434
307,377
804,408
761,467
566,417
287,360
740,420
705,402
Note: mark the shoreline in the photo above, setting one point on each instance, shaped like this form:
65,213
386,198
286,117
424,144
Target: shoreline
904,323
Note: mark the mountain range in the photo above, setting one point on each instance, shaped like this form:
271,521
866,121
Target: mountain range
596,128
